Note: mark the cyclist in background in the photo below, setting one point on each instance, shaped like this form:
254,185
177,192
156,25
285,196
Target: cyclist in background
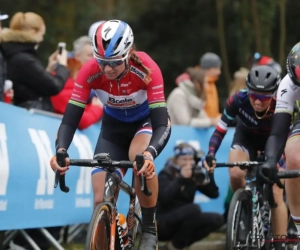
135,120
254,108
288,94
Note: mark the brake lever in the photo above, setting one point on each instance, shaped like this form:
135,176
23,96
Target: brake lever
139,163
61,178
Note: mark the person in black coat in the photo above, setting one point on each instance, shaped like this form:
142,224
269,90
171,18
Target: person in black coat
179,220
2,62
32,83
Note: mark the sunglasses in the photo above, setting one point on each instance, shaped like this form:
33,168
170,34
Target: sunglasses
110,62
261,97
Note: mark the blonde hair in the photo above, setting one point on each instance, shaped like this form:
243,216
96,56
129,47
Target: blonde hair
197,76
138,61
239,81
26,21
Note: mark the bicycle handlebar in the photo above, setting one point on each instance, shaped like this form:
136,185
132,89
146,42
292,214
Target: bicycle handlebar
102,161
245,164
239,164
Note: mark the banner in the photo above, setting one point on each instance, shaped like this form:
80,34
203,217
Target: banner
27,196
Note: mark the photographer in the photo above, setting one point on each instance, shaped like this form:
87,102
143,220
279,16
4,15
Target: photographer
179,220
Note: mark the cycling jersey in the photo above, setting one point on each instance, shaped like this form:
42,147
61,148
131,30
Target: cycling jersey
130,98
126,98
253,124
287,95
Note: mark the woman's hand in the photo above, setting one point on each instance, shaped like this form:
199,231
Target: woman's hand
148,169
52,61
63,58
209,163
61,153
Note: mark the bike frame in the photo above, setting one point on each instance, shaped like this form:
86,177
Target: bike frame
257,223
112,186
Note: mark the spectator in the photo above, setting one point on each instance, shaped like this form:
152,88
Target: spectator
2,62
32,84
239,81
266,60
179,220
211,64
93,28
186,102
83,52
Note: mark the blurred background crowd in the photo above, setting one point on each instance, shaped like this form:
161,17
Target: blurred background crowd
204,48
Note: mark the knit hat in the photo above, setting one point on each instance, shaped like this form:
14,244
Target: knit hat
3,16
210,60
266,60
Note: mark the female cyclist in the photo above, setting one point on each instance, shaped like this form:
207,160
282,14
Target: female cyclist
135,120
254,108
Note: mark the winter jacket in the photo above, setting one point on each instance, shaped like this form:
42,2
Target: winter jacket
186,108
92,113
32,84
2,74
176,191
212,99
212,103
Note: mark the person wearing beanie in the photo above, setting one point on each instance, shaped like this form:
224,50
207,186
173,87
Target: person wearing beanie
211,63
266,60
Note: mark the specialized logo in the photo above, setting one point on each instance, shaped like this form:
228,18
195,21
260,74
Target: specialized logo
83,186
121,102
283,91
4,167
140,74
45,183
108,184
93,77
106,31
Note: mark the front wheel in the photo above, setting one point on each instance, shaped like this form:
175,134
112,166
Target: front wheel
239,220
98,235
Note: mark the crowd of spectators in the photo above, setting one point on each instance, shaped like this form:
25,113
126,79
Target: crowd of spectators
194,101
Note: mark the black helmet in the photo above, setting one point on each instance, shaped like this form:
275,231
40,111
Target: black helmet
293,64
263,79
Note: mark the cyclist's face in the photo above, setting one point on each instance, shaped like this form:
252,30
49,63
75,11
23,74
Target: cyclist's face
260,101
185,160
112,72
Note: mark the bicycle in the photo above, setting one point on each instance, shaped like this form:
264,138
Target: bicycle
104,225
246,223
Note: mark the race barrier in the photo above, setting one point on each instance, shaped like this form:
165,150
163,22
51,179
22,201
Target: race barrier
27,195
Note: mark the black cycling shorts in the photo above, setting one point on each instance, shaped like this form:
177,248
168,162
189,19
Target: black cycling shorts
116,136
247,142
295,131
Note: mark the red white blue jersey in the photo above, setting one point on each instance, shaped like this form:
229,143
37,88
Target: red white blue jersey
127,99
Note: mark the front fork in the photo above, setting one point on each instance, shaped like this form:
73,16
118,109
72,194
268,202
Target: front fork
257,232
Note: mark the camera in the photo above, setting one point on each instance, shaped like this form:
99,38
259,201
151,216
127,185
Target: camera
61,46
199,172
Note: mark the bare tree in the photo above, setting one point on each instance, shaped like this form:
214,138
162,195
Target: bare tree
256,25
282,13
223,49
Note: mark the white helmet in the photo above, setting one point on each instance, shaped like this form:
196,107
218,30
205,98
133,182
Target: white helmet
112,38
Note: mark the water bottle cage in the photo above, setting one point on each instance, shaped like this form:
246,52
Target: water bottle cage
123,234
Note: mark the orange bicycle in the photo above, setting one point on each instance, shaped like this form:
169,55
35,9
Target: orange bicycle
106,228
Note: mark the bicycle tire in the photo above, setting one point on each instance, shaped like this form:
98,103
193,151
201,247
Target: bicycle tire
98,235
234,214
